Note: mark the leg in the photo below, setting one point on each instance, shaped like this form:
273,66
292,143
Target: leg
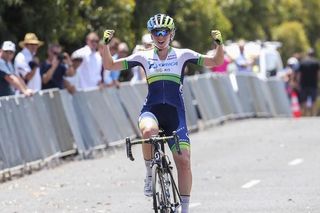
148,125
184,177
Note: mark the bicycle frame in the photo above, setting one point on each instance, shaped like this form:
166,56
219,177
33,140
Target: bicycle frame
161,166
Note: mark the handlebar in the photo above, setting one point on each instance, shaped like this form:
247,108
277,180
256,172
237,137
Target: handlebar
152,140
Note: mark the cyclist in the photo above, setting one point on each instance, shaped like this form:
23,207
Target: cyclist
164,107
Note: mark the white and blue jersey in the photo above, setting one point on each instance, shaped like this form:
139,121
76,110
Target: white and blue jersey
165,82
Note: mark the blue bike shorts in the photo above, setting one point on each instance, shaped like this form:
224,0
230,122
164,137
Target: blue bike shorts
169,119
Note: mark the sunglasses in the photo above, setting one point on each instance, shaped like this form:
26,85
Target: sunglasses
94,41
160,32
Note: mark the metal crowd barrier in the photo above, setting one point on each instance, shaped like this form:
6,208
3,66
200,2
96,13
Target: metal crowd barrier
54,124
279,98
206,99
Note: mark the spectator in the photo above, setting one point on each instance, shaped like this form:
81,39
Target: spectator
89,72
7,73
242,62
56,66
308,77
138,72
288,75
26,63
72,83
123,51
270,62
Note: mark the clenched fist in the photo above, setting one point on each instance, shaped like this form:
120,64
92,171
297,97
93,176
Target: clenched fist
216,35
107,36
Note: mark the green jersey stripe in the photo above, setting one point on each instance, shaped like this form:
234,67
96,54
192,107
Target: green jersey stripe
164,78
125,65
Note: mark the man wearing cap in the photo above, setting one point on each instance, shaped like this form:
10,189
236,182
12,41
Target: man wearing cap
7,73
25,62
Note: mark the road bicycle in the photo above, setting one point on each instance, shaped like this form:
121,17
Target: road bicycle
166,196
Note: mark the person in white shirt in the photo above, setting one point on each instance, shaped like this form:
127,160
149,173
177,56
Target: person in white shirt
269,61
26,64
138,72
89,72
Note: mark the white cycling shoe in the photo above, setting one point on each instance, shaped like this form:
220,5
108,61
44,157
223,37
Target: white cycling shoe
148,186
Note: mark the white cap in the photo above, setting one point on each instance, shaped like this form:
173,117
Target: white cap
292,61
8,46
77,54
146,39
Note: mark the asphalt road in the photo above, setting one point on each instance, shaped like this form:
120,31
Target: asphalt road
258,165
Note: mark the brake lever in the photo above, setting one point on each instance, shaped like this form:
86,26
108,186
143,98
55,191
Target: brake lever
129,150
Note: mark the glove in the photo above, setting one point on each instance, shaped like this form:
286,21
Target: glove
107,36
216,35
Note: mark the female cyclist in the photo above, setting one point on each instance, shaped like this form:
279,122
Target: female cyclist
164,107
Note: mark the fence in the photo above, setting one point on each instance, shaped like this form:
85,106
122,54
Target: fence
53,123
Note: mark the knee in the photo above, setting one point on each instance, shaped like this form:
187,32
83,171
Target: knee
148,132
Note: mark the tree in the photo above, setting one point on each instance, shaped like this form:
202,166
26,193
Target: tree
293,38
195,20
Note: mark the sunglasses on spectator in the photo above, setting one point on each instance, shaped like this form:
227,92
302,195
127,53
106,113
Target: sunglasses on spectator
160,32
94,41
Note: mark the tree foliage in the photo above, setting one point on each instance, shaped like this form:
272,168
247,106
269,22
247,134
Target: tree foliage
293,38
68,21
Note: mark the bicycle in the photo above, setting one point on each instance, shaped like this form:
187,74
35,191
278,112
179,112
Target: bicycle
166,196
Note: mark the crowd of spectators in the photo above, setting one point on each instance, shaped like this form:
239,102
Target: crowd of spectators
24,73
301,72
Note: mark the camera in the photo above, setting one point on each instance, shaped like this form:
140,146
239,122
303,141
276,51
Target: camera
60,57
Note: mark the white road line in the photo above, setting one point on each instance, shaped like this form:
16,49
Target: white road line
295,162
192,205
250,184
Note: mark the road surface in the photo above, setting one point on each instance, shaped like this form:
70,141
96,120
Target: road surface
255,165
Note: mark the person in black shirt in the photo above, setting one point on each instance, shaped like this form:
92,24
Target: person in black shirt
308,77
56,66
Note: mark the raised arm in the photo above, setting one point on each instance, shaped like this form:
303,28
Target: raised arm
107,60
218,57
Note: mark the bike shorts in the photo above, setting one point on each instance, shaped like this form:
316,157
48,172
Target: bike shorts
308,92
169,119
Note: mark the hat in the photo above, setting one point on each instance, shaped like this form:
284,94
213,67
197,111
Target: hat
77,55
30,38
292,61
146,39
8,46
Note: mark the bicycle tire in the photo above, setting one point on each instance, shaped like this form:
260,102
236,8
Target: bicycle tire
173,199
159,198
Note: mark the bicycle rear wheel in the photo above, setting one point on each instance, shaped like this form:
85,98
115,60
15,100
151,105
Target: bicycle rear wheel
159,198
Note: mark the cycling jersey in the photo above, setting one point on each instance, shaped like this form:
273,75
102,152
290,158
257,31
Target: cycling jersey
164,77
164,101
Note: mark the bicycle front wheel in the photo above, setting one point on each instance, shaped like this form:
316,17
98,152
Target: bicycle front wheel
159,198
